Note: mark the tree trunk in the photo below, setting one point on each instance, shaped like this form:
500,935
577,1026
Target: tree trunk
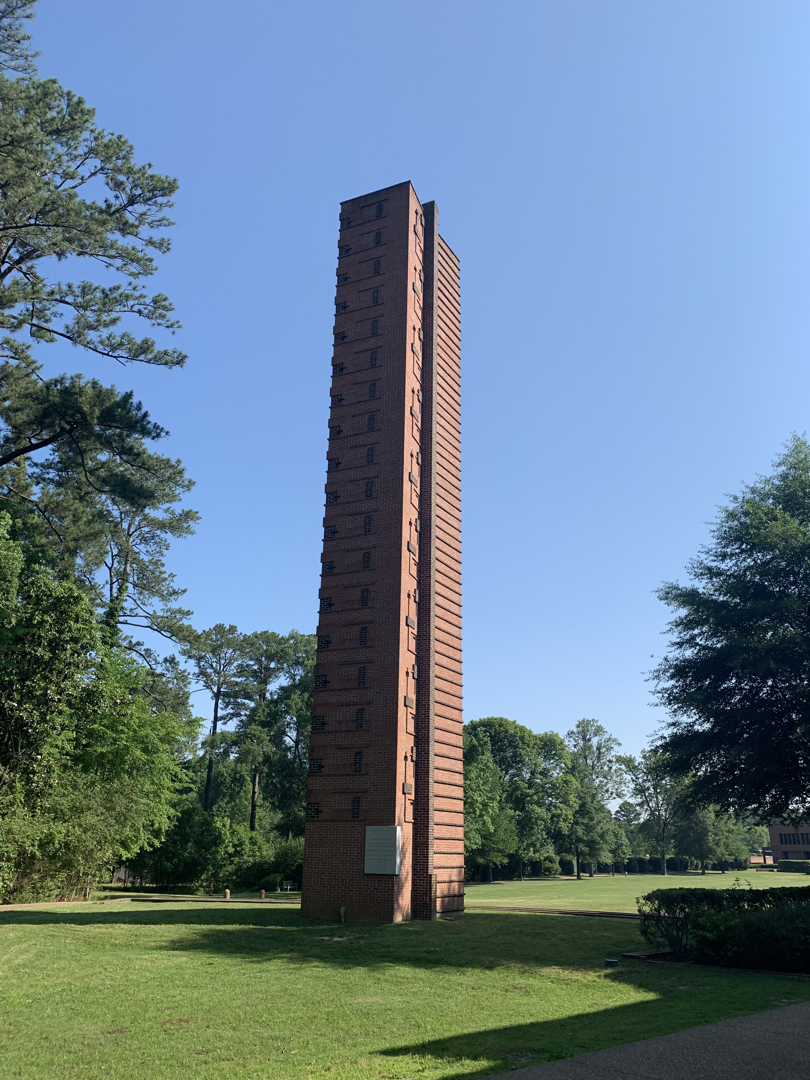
613,869
207,792
590,870
488,876
579,868
521,869
664,863
254,799
210,770
703,868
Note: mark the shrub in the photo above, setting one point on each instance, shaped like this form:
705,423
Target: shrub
676,863
271,882
777,939
794,866
550,867
638,866
682,918
567,867
288,859
653,865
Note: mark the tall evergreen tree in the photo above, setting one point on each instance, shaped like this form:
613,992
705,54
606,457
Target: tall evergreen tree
736,679
215,655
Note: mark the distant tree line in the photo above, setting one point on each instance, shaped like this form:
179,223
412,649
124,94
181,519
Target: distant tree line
542,804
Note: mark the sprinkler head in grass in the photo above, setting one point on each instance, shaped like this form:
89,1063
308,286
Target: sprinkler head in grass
611,963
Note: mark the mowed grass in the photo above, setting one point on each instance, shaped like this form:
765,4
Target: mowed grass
199,990
603,893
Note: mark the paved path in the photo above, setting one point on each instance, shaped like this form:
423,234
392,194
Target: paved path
769,1044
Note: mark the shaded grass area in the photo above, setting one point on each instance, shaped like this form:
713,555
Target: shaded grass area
614,893
169,991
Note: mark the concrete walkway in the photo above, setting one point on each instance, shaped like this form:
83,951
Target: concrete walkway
769,1044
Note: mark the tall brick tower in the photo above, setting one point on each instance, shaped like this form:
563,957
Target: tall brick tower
385,824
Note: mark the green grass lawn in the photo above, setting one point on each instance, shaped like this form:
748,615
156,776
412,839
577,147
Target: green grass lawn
191,990
613,893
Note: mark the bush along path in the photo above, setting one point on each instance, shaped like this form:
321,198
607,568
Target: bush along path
768,929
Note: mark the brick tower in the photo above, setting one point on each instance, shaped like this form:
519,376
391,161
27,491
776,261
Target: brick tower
385,824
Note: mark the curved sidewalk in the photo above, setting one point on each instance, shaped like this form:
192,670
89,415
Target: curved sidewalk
769,1044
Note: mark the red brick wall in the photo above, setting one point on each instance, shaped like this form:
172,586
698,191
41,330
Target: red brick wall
363,752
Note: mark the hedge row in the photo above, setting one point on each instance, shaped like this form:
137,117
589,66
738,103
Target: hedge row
794,866
764,928
651,865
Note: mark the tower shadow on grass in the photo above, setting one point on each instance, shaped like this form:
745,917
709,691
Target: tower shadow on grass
535,951
484,941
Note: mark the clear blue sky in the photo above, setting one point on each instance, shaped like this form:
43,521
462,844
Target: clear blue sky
627,185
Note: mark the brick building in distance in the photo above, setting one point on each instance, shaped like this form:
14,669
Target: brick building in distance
385,825
790,841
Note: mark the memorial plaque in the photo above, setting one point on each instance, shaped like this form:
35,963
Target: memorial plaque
383,849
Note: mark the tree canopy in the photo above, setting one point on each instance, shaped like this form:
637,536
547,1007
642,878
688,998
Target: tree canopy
736,678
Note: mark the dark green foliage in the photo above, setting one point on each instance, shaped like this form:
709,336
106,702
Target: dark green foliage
710,837
538,790
108,790
687,919
241,822
46,636
489,824
590,836
736,680
794,866
566,866
777,939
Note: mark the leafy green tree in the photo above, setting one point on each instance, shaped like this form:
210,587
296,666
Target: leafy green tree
697,837
593,748
658,794
627,820
736,679
539,790
594,767
47,635
89,771
618,845
589,831
489,823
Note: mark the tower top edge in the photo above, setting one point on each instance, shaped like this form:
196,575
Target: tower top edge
381,191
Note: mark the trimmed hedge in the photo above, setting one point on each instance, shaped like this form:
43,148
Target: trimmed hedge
567,867
794,866
713,925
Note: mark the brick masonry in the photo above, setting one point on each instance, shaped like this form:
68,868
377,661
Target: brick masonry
386,739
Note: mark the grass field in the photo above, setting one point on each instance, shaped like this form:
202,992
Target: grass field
613,893
198,990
